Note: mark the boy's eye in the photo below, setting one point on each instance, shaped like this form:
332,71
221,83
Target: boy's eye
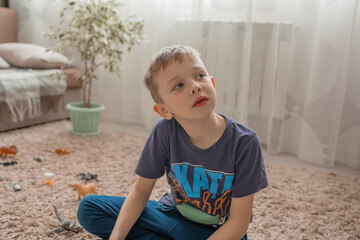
200,76
177,86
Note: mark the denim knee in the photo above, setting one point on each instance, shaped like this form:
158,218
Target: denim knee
84,210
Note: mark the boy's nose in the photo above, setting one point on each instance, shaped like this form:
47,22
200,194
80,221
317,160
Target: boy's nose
195,88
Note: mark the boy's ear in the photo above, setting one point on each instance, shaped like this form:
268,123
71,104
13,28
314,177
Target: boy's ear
212,80
162,111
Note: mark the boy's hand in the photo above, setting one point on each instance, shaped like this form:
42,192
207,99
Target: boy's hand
238,223
133,206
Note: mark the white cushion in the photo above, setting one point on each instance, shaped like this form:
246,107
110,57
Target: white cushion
25,55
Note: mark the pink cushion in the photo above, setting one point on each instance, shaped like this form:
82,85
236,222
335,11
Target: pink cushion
25,55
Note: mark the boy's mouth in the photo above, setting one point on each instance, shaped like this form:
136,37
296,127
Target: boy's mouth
200,101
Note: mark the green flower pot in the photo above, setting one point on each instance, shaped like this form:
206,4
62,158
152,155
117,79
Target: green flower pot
85,121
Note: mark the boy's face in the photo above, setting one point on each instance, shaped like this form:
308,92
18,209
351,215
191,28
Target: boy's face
186,90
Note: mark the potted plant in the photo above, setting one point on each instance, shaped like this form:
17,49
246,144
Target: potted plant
97,33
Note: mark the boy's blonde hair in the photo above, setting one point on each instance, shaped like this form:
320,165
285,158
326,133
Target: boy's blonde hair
161,60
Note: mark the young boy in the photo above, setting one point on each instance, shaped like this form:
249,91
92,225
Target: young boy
213,164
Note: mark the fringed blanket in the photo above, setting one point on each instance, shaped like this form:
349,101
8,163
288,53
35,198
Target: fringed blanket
21,90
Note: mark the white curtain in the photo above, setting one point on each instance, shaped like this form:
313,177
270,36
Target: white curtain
288,69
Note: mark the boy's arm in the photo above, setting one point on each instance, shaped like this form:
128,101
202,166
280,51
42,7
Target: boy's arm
132,207
238,222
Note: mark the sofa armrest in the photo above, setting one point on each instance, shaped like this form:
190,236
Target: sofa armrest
8,25
72,80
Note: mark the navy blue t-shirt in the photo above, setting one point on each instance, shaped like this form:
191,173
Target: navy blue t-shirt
203,181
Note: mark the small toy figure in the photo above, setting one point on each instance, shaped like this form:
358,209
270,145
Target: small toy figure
61,151
49,182
38,159
65,224
4,151
84,190
88,176
9,163
15,186
49,177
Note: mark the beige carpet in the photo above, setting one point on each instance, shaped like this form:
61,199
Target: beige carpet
299,204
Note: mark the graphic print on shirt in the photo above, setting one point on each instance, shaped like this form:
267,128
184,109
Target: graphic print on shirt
201,195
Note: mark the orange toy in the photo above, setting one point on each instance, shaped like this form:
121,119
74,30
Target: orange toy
84,190
61,151
49,182
4,151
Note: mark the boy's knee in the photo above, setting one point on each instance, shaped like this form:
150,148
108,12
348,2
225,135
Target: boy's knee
87,202
86,206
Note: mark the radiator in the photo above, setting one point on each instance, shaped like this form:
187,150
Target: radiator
222,45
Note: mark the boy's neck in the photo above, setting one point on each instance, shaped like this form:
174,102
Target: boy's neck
199,130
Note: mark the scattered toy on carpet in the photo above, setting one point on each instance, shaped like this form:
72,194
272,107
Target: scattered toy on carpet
49,177
4,151
15,186
84,190
49,182
65,224
61,151
88,176
39,159
9,163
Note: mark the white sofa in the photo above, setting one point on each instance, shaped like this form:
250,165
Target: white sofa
52,108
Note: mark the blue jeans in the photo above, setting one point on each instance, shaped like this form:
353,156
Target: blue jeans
97,214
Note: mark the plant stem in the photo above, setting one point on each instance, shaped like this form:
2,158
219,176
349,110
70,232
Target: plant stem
89,88
85,85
